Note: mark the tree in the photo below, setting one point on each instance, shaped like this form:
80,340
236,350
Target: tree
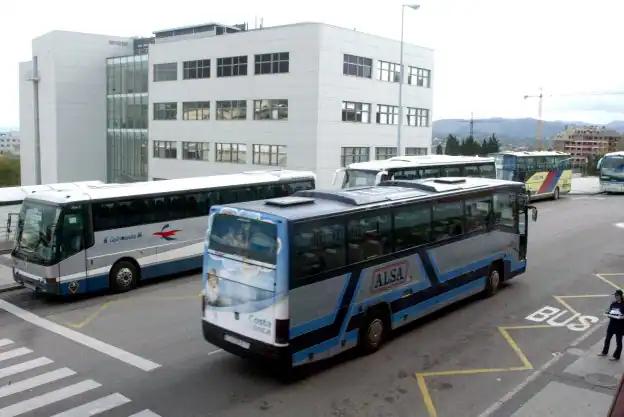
439,150
452,146
485,145
493,145
470,147
9,171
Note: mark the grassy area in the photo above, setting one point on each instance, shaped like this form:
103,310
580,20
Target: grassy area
9,171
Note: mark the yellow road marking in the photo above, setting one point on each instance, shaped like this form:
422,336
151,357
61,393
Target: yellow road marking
559,298
601,276
431,410
90,317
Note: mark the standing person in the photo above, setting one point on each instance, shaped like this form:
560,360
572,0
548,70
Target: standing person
616,326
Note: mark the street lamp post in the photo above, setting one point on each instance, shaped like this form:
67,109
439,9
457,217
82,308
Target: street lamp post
415,7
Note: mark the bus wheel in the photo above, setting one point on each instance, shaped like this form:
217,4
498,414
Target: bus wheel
123,276
493,281
556,194
373,333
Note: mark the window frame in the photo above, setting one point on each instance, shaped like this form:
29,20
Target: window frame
170,146
256,151
272,63
273,107
343,155
389,111
196,107
390,70
419,77
205,149
418,117
236,66
358,63
382,153
220,152
357,111
169,111
200,68
159,69
233,104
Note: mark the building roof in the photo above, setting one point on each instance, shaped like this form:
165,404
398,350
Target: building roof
205,27
417,161
328,202
619,153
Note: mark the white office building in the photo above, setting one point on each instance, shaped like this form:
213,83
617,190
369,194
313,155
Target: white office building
223,99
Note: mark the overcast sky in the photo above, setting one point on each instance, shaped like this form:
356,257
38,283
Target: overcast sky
488,53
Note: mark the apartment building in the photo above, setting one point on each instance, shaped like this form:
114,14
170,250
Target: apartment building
584,141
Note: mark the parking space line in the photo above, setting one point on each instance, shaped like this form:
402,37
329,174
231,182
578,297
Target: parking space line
24,366
602,277
5,342
145,413
91,316
35,381
15,353
88,341
96,407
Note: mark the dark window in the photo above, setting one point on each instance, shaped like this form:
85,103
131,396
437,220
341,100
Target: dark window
349,155
369,237
355,112
269,155
270,109
196,69
232,66
433,172
232,110
231,152
165,149
166,72
504,209
487,171
448,220
420,77
478,212
166,111
452,171
471,170
196,110
357,66
412,226
317,247
385,152
411,151
71,239
272,63
197,151
405,174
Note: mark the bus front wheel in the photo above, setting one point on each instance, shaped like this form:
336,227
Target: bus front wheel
373,333
556,194
493,281
123,276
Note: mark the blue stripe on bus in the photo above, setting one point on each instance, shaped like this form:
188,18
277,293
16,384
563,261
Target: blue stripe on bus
443,277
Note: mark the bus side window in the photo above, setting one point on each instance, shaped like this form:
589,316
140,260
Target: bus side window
405,174
478,211
471,171
411,226
318,246
504,209
429,172
452,171
448,220
369,237
487,171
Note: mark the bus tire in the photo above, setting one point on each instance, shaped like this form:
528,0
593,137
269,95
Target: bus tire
556,194
124,276
494,280
373,332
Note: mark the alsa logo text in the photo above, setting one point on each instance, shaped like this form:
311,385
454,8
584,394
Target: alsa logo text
390,276
166,233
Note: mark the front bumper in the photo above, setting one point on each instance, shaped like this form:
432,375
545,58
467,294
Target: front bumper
35,284
257,350
612,187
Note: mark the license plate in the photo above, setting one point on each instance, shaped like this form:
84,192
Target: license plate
236,341
29,285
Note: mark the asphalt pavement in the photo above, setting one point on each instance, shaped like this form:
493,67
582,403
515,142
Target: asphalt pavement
524,352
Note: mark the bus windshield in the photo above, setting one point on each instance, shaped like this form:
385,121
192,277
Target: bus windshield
252,239
36,233
613,163
359,178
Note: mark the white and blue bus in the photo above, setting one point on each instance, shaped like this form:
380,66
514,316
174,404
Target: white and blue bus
303,278
114,235
611,168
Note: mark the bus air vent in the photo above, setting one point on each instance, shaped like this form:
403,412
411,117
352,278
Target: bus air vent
450,180
289,201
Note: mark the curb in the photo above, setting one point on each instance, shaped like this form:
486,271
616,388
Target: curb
10,287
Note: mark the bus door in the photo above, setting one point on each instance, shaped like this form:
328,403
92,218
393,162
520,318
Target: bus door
72,254
523,228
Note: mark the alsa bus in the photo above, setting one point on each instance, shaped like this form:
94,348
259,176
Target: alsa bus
112,236
303,278
611,168
369,173
544,173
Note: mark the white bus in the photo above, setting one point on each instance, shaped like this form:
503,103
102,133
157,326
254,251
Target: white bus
11,202
611,168
362,174
114,235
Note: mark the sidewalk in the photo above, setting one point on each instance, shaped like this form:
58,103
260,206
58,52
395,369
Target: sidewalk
585,185
6,274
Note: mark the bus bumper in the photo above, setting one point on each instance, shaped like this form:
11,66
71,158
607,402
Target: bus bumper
35,284
612,187
248,348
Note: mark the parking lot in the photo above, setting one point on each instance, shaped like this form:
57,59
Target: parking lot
143,351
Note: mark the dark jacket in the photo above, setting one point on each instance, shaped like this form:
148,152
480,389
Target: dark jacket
616,325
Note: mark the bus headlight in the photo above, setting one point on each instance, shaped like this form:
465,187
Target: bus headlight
212,287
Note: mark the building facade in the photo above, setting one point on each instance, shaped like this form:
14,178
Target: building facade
9,143
587,141
216,99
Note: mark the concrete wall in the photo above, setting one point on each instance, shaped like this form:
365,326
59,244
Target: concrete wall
27,151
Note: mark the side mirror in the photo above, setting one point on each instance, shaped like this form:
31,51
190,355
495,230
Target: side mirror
380,176
534,213
336,172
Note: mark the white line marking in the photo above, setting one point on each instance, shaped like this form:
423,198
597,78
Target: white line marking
95,407
10,354
145,413
48,398
505,398
4,342
215,351
88,341
35,381
24,366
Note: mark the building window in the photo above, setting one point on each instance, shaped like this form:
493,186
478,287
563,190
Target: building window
232,66
385,152
387,115
269,155
165,149
357,66
270,109
273,63
350,154
389,71
165,111
411,151
166,72
197,151
196,69
417,117
231,152
355,112
420,77
196,110
232,110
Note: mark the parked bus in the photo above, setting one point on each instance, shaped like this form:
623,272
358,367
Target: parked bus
361,174
112,236
303,278
611,168
544,173
11,202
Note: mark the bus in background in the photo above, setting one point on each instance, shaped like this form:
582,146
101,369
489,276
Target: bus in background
611,168
544,173
362,174
113,235
11,202
303,278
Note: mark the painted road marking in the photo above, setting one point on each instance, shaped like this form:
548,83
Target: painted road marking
575,322
24,366
95,407
48,398
620,225
145,413
35,381
88,341
5,342
15,353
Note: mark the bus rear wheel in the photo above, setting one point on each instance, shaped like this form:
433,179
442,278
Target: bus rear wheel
373,332
493,281
556,194
123,276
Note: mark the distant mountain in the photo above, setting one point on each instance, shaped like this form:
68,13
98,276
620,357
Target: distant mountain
514,131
